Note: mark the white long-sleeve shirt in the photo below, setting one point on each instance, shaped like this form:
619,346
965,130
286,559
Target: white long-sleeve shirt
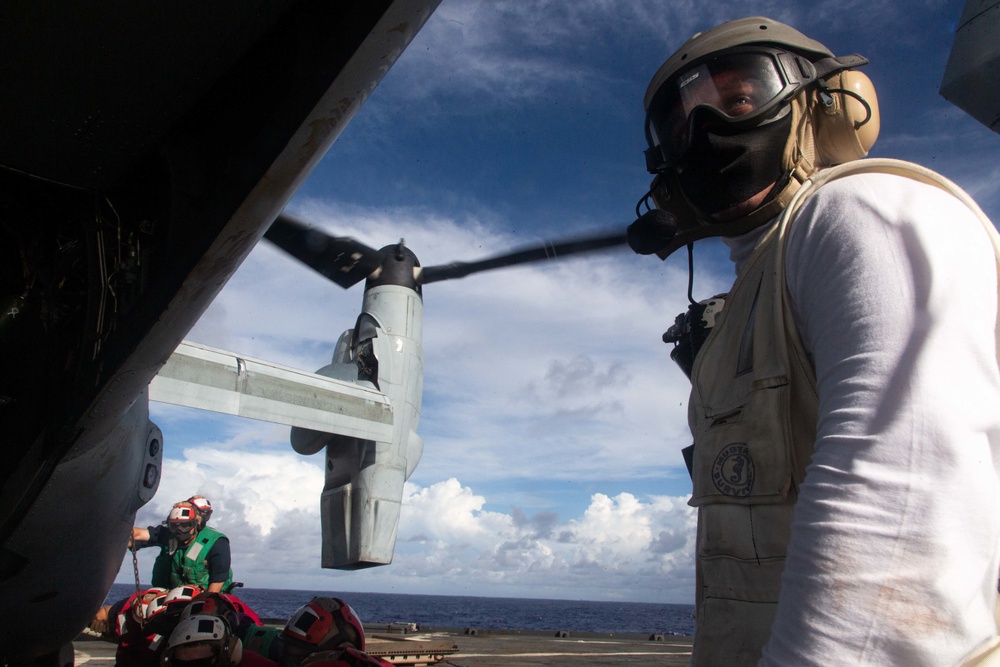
894,552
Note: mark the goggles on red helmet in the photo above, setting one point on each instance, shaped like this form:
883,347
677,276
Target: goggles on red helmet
732,90
181,527
183,519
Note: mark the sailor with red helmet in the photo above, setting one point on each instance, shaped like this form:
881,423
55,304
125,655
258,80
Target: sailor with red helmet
138,645
111,620
160,535
141,622
195,553
206,558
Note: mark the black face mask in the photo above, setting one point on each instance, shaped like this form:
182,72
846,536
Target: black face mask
725,169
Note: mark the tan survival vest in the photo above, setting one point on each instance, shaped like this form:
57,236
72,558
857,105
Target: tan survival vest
753,413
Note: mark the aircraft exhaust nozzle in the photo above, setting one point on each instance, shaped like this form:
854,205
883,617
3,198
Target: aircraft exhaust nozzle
360,518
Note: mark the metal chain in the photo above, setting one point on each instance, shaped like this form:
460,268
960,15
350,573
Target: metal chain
137,605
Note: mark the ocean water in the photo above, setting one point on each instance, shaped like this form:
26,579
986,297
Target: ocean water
457,611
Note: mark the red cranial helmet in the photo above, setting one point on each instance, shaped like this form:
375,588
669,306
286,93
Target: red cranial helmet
162,613
158,603
142,602
325,623
204,507
183,520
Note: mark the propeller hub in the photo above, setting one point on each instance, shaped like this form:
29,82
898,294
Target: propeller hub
399,267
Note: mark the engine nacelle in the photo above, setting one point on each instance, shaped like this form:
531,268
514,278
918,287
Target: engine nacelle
363,492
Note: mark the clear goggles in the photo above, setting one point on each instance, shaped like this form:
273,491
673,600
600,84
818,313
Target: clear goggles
738,89
181,527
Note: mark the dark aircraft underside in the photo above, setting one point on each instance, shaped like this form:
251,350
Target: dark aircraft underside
145,148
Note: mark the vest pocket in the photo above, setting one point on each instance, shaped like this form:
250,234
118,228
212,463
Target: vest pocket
745,626
741,452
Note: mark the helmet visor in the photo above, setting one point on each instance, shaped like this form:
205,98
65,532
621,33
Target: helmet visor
181,527
735,90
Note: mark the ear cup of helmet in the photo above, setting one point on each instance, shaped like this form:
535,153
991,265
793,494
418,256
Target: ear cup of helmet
846,129
234,649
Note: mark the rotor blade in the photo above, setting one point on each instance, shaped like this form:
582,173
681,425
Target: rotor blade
340,258
548,250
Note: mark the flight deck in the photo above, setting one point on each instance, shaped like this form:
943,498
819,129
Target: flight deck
471,647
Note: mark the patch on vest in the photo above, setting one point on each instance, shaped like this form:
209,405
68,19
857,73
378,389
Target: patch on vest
733,472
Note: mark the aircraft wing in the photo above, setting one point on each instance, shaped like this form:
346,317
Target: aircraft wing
198,376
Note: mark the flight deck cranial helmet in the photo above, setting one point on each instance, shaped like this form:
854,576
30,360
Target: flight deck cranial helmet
202,640
322,624
745,105
155,605
183,521
141,604
204,508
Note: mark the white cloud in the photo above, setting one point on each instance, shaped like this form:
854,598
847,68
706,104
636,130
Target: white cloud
449,512
621,547
264,486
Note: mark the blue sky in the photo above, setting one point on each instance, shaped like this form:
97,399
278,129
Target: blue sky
552,415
